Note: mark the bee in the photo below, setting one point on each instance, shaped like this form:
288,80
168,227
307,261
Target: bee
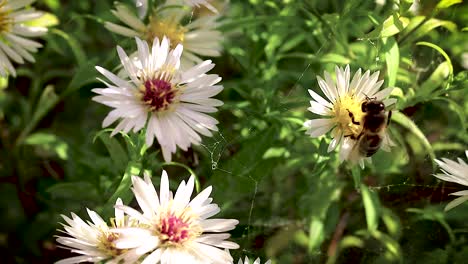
374,123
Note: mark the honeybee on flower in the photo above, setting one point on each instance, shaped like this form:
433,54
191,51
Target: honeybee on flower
355,114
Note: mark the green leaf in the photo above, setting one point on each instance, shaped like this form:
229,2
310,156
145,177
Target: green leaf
442,52
447,3
356,173
77,191
392,222
85,74
351,241
46,102
407,123
393,252
316,234
335,58
74,44
432,213
291,43
274,41
49,142
420,26
52,4
391,26
371,207
459,82
456,109
124,191
46,20
437,79
392,59
116,151
3,82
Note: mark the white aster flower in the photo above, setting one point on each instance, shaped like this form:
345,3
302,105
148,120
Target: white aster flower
14,34
199,37
174,229
170,101
454,172
95,241
247,261
345,97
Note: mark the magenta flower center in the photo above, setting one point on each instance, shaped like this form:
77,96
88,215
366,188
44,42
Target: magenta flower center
174,230
158,94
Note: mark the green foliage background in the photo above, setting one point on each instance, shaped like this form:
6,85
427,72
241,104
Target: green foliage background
294,201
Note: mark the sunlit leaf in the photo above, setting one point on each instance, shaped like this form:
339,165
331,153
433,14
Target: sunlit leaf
415,30
123,190
351,241
391,26
447,3
392,222
52,4
392,59
335,58
372,208
46,20
49,142
392,246
316,234
3,82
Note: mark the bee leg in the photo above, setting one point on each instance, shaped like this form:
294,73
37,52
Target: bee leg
352,118
389,117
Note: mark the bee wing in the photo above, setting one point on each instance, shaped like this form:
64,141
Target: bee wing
387,143
389,103
350,150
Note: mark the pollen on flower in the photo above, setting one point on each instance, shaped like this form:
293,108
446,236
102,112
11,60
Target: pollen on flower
5,18
107,244
158,94
342,108
175,230
165,27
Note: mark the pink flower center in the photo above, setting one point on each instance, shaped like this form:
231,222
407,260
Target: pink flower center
174,230
158,94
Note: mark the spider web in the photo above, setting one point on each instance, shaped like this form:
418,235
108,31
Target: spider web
220,144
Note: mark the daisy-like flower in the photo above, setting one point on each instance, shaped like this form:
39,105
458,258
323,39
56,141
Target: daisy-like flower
199,37
454,172
170,101
247,261
14,33
95,242
175,229
345,98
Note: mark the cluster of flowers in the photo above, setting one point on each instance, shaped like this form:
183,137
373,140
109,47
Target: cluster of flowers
170,229
164,87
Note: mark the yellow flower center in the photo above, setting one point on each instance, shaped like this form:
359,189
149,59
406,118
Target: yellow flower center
165,27
346,110
5,20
